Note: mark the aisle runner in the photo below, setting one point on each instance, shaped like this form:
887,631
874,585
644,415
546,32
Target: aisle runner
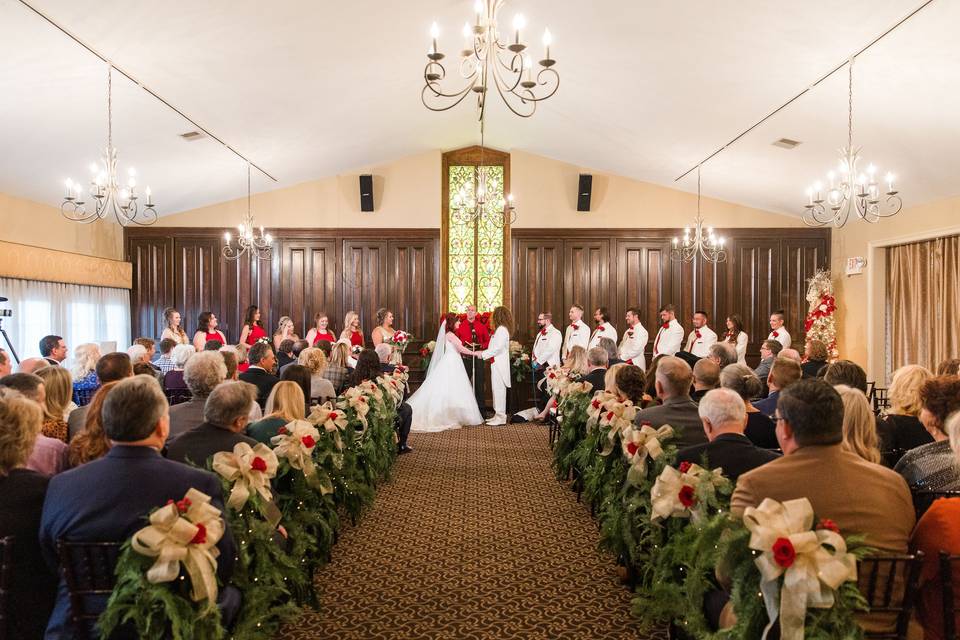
474,539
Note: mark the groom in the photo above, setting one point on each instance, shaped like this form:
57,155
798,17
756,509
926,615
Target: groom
475,335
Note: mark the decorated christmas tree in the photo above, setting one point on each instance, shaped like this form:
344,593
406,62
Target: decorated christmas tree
821,323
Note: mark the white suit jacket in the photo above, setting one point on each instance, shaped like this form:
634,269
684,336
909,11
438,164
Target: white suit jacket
781,336
700,347
499,350
742,340
546,347
668,340
633,345
576,337
605,330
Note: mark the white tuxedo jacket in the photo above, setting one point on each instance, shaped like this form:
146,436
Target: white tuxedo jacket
700,347
668,339
576,337
605,330
499,350
546,347
781,336
633,345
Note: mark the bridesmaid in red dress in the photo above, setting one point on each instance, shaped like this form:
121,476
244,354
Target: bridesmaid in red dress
351,330
321,331
207,331
252,328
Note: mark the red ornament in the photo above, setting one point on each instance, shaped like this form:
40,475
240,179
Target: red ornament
632,448
200,536
282,431
258,464
828,524
783,552
332,416
685,466
595,403
609,416
308,441
687,496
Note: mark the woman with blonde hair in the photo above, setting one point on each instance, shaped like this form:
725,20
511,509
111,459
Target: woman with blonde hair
337,370
172,327
56,383
610,379
285,331
284,404
315,362
91,443
576,365
83,371
352,332
901,429
859,425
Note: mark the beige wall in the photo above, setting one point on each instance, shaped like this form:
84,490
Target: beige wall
860,298
407,194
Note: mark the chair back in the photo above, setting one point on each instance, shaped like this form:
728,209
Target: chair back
889,584
881,399
177,396
946,584
923,499
6,578
88,570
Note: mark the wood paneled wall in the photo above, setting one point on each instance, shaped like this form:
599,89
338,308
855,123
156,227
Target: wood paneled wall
310,270
766,270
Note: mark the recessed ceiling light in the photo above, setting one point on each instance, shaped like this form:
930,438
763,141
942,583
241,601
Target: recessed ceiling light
786,143
190,136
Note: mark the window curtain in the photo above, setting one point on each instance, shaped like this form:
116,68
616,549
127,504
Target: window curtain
78,313
923,302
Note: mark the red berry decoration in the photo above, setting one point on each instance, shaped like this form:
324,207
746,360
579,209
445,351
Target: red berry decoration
828,524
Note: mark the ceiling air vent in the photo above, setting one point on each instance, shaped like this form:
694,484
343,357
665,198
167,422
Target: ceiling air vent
190,136
786,143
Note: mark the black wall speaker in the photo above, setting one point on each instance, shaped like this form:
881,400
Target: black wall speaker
583,192
366,193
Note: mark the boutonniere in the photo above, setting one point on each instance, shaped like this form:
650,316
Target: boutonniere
543,332
575,326
775,334
697,333
666,325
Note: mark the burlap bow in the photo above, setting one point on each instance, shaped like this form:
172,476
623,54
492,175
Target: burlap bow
331,419
813,563
249,469
296,446
640,443
183,532
674,494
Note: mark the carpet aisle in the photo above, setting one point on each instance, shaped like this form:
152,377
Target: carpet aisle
473,539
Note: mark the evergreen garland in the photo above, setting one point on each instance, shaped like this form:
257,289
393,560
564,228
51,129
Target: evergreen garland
572,413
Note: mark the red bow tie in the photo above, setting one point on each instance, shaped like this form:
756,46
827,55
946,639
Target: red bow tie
543,332
776,335
697,332
666,325
575,326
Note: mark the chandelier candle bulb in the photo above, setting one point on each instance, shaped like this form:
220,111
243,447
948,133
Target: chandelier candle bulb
149,196
69,187
434,33
889,183
547,41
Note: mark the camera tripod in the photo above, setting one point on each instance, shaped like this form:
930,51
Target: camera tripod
13,351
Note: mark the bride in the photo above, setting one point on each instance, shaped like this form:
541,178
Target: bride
445,400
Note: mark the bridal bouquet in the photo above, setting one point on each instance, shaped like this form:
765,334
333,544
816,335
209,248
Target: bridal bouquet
399,340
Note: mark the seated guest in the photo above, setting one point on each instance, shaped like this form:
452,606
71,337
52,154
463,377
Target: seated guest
596,367
608,345
610,380
368,368
173,380
56,400
673,381
6,364
229,355
212,345
315,361
901,428
760,430
151,346
724,416
53,349
203,373
931,466
243,350
165,362
938,530
336,371
815,356
722,353
225,414
768,352
301,376
83,371
260,371
32,365
298,348
790,354
384,351
110,368
630,380
859,424
650,386
323,345
49,455
949,367
33,585
108,500
783,373
92,442
706,376
285,353
144,369
284,405
846,372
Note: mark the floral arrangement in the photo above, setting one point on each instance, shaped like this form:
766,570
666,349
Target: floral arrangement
686,492
294,444
426,353
519,362
820,323
399,340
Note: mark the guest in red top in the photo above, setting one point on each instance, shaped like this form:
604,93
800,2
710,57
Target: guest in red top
351,329
207,330
321,331
252,327
473,330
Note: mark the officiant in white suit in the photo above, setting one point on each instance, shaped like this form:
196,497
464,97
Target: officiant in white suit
498,355
634,341
605,328
577,333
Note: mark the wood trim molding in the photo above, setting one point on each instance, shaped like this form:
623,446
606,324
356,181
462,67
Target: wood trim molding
35,263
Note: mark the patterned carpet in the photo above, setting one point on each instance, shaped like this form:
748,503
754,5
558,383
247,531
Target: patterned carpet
473,539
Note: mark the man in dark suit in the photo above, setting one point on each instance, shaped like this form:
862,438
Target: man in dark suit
706,376
260,372
783,373
724,418
225,414
110,368
673,381
108,499
53,349
596,368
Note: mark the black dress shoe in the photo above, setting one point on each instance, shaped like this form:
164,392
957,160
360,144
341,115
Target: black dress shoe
404,449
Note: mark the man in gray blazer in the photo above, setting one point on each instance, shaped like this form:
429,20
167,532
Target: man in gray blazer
674,378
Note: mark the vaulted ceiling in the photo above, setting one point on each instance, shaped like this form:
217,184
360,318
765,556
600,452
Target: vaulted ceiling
310,89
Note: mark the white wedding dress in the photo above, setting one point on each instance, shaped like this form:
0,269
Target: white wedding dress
445,400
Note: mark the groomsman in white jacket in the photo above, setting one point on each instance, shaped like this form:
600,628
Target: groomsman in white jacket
670,336
605,328
577,333
634,341
702,336
546,353
779,332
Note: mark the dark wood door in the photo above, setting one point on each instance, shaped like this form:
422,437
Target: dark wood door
308,283
537,284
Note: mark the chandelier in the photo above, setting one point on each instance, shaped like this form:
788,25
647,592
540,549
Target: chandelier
259,246
470,202
487,58
697,241
850,191
108,192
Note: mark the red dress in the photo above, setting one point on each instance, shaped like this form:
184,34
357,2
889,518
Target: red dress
324,335
215,335
356,339
256,332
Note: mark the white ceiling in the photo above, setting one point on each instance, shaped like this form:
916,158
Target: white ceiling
310,89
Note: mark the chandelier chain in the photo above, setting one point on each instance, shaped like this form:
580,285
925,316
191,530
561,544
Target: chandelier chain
850,105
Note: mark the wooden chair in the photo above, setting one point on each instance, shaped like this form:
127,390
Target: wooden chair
889,584
923,499
946,584
88,569
6,577
881,399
